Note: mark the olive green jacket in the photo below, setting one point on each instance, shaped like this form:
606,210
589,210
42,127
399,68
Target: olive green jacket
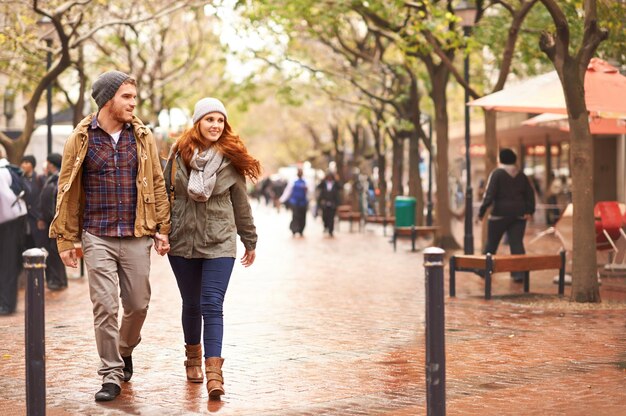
153,210
209,229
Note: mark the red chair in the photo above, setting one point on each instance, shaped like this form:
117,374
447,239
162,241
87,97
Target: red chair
608,221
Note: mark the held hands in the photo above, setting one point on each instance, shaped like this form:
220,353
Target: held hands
161,244
69,258
248,258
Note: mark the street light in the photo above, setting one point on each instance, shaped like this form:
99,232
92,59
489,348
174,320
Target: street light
9,106
467,12
47,29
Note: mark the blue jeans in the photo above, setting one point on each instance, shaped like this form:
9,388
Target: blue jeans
202,284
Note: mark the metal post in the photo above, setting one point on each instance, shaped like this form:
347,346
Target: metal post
429,205
435,335
469,232
49,95
35,265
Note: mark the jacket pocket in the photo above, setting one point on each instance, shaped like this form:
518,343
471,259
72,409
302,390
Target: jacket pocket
149,211
219,224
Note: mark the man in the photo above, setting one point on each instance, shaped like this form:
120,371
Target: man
513,199
295,195
12,234
112,198
34,236
56,275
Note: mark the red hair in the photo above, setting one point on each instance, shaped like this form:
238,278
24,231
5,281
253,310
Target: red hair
229,144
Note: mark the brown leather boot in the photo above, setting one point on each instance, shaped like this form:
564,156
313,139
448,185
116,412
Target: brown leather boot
213,368
193,363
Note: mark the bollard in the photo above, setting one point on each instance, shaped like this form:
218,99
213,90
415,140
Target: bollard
35,265
435,335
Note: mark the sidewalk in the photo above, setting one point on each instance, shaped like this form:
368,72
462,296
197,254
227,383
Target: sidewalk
321,326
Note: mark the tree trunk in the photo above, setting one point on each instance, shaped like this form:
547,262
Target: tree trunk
397,165
415,180
445,238
491,160
584,267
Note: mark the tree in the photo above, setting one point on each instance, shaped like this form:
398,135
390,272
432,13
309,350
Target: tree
74,24
571,66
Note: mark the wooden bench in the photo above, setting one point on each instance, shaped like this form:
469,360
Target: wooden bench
490,264
380,219
413,232
345,213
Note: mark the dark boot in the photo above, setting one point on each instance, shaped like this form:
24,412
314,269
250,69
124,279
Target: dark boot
193,363
213,368
108,392
128,367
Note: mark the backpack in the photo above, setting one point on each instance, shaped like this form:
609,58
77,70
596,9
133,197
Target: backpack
298,194
19,185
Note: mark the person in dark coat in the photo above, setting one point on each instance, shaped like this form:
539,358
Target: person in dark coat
35,237
328,198
513,199
56,275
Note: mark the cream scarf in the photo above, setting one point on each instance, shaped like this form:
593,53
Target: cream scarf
204,167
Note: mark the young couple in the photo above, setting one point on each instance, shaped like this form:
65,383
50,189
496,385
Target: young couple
113,199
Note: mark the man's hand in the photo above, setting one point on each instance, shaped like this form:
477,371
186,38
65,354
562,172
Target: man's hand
248,258
161,244
69,258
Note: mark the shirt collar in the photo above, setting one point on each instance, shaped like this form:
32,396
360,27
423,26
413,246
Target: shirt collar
94,123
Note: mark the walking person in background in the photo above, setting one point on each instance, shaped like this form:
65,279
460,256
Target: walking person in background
56,275
513,199
12,236
328,199
295,195
34,236
112,198
206,177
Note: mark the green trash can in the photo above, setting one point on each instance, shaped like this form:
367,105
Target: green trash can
405,211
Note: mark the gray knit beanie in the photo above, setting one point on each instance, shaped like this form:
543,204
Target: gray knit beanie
206,106
106,85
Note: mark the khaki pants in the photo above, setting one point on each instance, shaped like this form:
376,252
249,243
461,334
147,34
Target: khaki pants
117,265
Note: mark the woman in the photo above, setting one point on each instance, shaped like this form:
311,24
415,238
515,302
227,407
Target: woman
328,197
206,177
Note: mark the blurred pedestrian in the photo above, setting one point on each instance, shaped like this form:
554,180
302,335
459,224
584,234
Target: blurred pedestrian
296,197
13,213
206,177
328,199
112,198
34,236
510,192
56,275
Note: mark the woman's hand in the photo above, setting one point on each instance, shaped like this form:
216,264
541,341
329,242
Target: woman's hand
248,258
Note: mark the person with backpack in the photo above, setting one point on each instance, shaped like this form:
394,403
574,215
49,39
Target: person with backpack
12,233
296,197
56,275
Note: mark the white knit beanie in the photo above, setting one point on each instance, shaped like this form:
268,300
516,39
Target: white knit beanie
206,106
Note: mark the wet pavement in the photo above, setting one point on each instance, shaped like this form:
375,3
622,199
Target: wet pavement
321,326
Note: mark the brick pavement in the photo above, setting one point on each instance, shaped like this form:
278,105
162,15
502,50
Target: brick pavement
321,326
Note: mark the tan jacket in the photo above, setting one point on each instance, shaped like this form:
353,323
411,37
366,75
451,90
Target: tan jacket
153,210
209,229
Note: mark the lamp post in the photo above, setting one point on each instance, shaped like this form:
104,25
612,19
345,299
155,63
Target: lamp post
8,106
467,13
429,203
46,27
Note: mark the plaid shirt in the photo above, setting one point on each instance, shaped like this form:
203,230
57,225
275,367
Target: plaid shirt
109,175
